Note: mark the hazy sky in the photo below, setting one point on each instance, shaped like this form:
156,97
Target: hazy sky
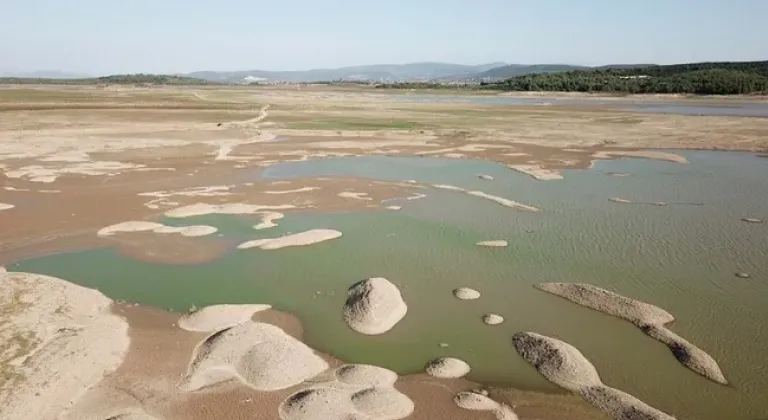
164,36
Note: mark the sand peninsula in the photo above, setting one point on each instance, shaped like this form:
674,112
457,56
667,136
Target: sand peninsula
308,237
374,306
649,318
565,366
142,226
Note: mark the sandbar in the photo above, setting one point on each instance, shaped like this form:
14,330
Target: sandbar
649,318
499,243
309,237
565,366
218,317
537,172
143,226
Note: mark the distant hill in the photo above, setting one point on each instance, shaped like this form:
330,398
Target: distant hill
118,79
374,73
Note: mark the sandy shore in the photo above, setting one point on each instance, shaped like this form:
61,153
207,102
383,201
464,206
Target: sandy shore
145,385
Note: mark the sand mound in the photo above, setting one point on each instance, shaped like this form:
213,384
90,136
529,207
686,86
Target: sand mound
365,375
496,243
479,402
620,200
485,177
5,206
58,340
309,237
201,209
382,403
260,355
217,317
537,172
473,401
493,319
268,220
565,366
447,367
649,318
374,306
465,293
394,207
142,226
366,393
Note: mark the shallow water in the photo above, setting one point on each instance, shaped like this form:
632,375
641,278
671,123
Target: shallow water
681,257
742,109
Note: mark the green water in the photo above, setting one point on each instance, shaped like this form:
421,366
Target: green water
681,257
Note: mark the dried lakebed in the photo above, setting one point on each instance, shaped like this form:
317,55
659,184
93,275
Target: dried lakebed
679,258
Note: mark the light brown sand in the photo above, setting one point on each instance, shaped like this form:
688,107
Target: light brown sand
58,340
649,318
497,243
447,367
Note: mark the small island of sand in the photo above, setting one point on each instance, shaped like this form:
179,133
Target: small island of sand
309,237
374,306
465,293
499,243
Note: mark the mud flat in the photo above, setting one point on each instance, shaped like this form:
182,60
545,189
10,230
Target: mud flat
374,306
261,356
649,318
309,237
59,339
565,366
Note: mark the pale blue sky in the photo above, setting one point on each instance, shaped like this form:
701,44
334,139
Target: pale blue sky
99,36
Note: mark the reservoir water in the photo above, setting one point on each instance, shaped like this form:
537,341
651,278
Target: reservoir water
681,257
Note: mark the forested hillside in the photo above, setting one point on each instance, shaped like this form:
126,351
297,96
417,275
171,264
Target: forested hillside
724,78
